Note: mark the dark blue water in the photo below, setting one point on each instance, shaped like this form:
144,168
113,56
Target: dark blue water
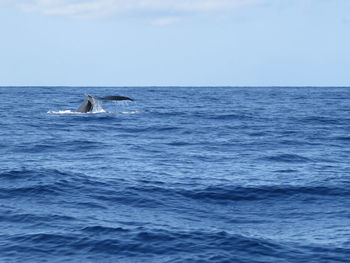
181,175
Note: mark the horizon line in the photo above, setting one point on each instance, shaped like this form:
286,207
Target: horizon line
170,86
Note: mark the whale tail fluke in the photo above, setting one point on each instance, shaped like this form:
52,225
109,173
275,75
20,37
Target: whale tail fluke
90,103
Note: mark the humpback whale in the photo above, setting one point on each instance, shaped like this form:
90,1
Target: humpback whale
89,103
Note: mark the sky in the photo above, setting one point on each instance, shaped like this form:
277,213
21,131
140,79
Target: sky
174,42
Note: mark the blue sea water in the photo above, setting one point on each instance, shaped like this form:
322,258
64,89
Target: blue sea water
180,175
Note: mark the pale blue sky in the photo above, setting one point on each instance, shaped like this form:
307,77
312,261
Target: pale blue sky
175,42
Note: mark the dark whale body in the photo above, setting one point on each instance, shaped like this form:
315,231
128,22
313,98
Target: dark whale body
90,102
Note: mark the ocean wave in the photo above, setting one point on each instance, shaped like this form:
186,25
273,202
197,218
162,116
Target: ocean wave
264,192
150,129
99,193
78,189
238,193
322,120
12,217
156,245
80,145
142,241
342,138
287,158
40,182
229,116
103,230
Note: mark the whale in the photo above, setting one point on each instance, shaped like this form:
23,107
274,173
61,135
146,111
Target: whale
89,104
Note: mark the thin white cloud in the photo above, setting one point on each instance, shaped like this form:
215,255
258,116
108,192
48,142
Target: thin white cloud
164,21
168,11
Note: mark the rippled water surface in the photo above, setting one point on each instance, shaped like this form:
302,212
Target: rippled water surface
179,175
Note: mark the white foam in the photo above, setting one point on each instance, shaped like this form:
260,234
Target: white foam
101,110
130,112
75,112
62,112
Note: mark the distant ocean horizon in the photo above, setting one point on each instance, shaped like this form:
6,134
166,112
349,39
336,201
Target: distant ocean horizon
173,86
182,174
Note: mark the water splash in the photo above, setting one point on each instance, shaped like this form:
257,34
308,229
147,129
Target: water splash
97,106
63,112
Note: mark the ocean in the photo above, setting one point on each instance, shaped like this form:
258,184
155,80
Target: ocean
182,174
